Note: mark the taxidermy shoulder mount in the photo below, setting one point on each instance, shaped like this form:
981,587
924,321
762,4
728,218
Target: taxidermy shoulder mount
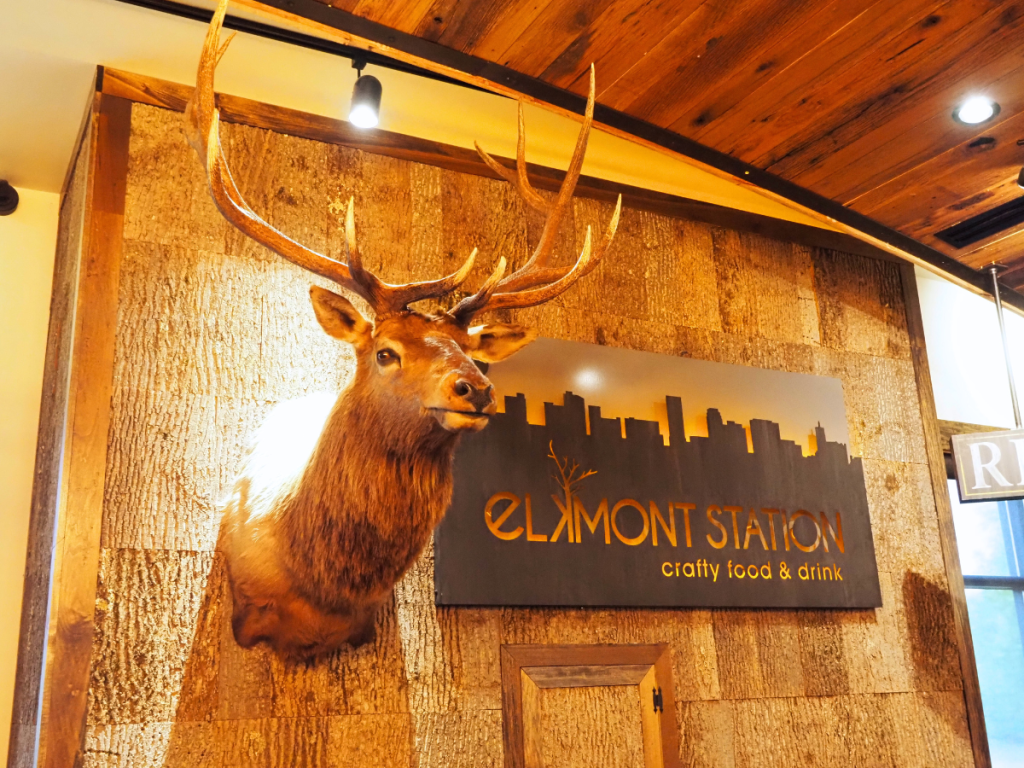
338,496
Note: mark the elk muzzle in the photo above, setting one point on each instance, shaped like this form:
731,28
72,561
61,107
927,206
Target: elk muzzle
469,402
480,397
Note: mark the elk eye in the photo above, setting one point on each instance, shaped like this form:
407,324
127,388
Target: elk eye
386,356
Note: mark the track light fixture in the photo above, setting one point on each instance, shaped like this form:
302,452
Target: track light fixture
365,109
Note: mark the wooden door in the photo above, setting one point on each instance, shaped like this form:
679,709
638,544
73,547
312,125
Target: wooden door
600,706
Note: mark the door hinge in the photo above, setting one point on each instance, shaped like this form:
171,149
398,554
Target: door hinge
658,705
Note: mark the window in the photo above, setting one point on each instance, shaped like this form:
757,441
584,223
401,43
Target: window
990,537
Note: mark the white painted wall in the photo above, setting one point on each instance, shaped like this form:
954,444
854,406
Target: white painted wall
27,243
965,353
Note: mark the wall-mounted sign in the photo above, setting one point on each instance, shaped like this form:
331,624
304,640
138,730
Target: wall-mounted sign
990,465
621,478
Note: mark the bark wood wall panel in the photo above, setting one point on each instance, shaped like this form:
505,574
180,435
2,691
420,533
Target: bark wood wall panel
213,331
877,646
899,496
762,287
680,275
914,730
457,739
706,734
591,726
187,322
163,456
147,605
860,306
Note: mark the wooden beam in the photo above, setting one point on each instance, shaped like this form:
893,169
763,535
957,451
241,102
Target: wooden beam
77,548
568,676
235,109
290,37
947,533
949,428
83,125
1014,276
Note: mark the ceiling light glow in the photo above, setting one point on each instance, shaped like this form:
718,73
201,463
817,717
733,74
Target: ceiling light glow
976,109
362,116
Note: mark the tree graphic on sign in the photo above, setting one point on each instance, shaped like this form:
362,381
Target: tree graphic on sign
567,474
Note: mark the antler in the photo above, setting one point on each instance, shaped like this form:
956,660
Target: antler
535,282
202,120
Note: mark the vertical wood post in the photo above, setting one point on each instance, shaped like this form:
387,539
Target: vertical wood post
79,505
947,534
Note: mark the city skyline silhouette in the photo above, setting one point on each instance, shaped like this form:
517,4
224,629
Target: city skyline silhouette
628,460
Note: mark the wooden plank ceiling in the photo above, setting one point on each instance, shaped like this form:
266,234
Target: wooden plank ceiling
852,99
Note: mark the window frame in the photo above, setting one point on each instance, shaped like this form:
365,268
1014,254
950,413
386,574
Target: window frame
1011,519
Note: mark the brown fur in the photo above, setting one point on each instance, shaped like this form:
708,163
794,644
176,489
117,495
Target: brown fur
313,553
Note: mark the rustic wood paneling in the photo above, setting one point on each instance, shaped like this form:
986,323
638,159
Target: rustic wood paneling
876,644
893,729
211,331
904,526
595,726
706,734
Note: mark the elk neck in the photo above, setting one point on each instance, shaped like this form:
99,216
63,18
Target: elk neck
374,488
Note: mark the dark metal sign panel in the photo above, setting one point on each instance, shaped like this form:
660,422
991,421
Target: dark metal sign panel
990,465
569,507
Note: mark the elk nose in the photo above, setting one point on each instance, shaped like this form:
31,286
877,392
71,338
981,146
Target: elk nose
478,397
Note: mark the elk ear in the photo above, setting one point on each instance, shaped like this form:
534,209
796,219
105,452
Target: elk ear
499,341
338,317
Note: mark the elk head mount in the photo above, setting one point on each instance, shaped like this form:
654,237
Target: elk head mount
339,495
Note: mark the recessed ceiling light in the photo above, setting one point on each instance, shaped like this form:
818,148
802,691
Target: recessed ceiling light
976,109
